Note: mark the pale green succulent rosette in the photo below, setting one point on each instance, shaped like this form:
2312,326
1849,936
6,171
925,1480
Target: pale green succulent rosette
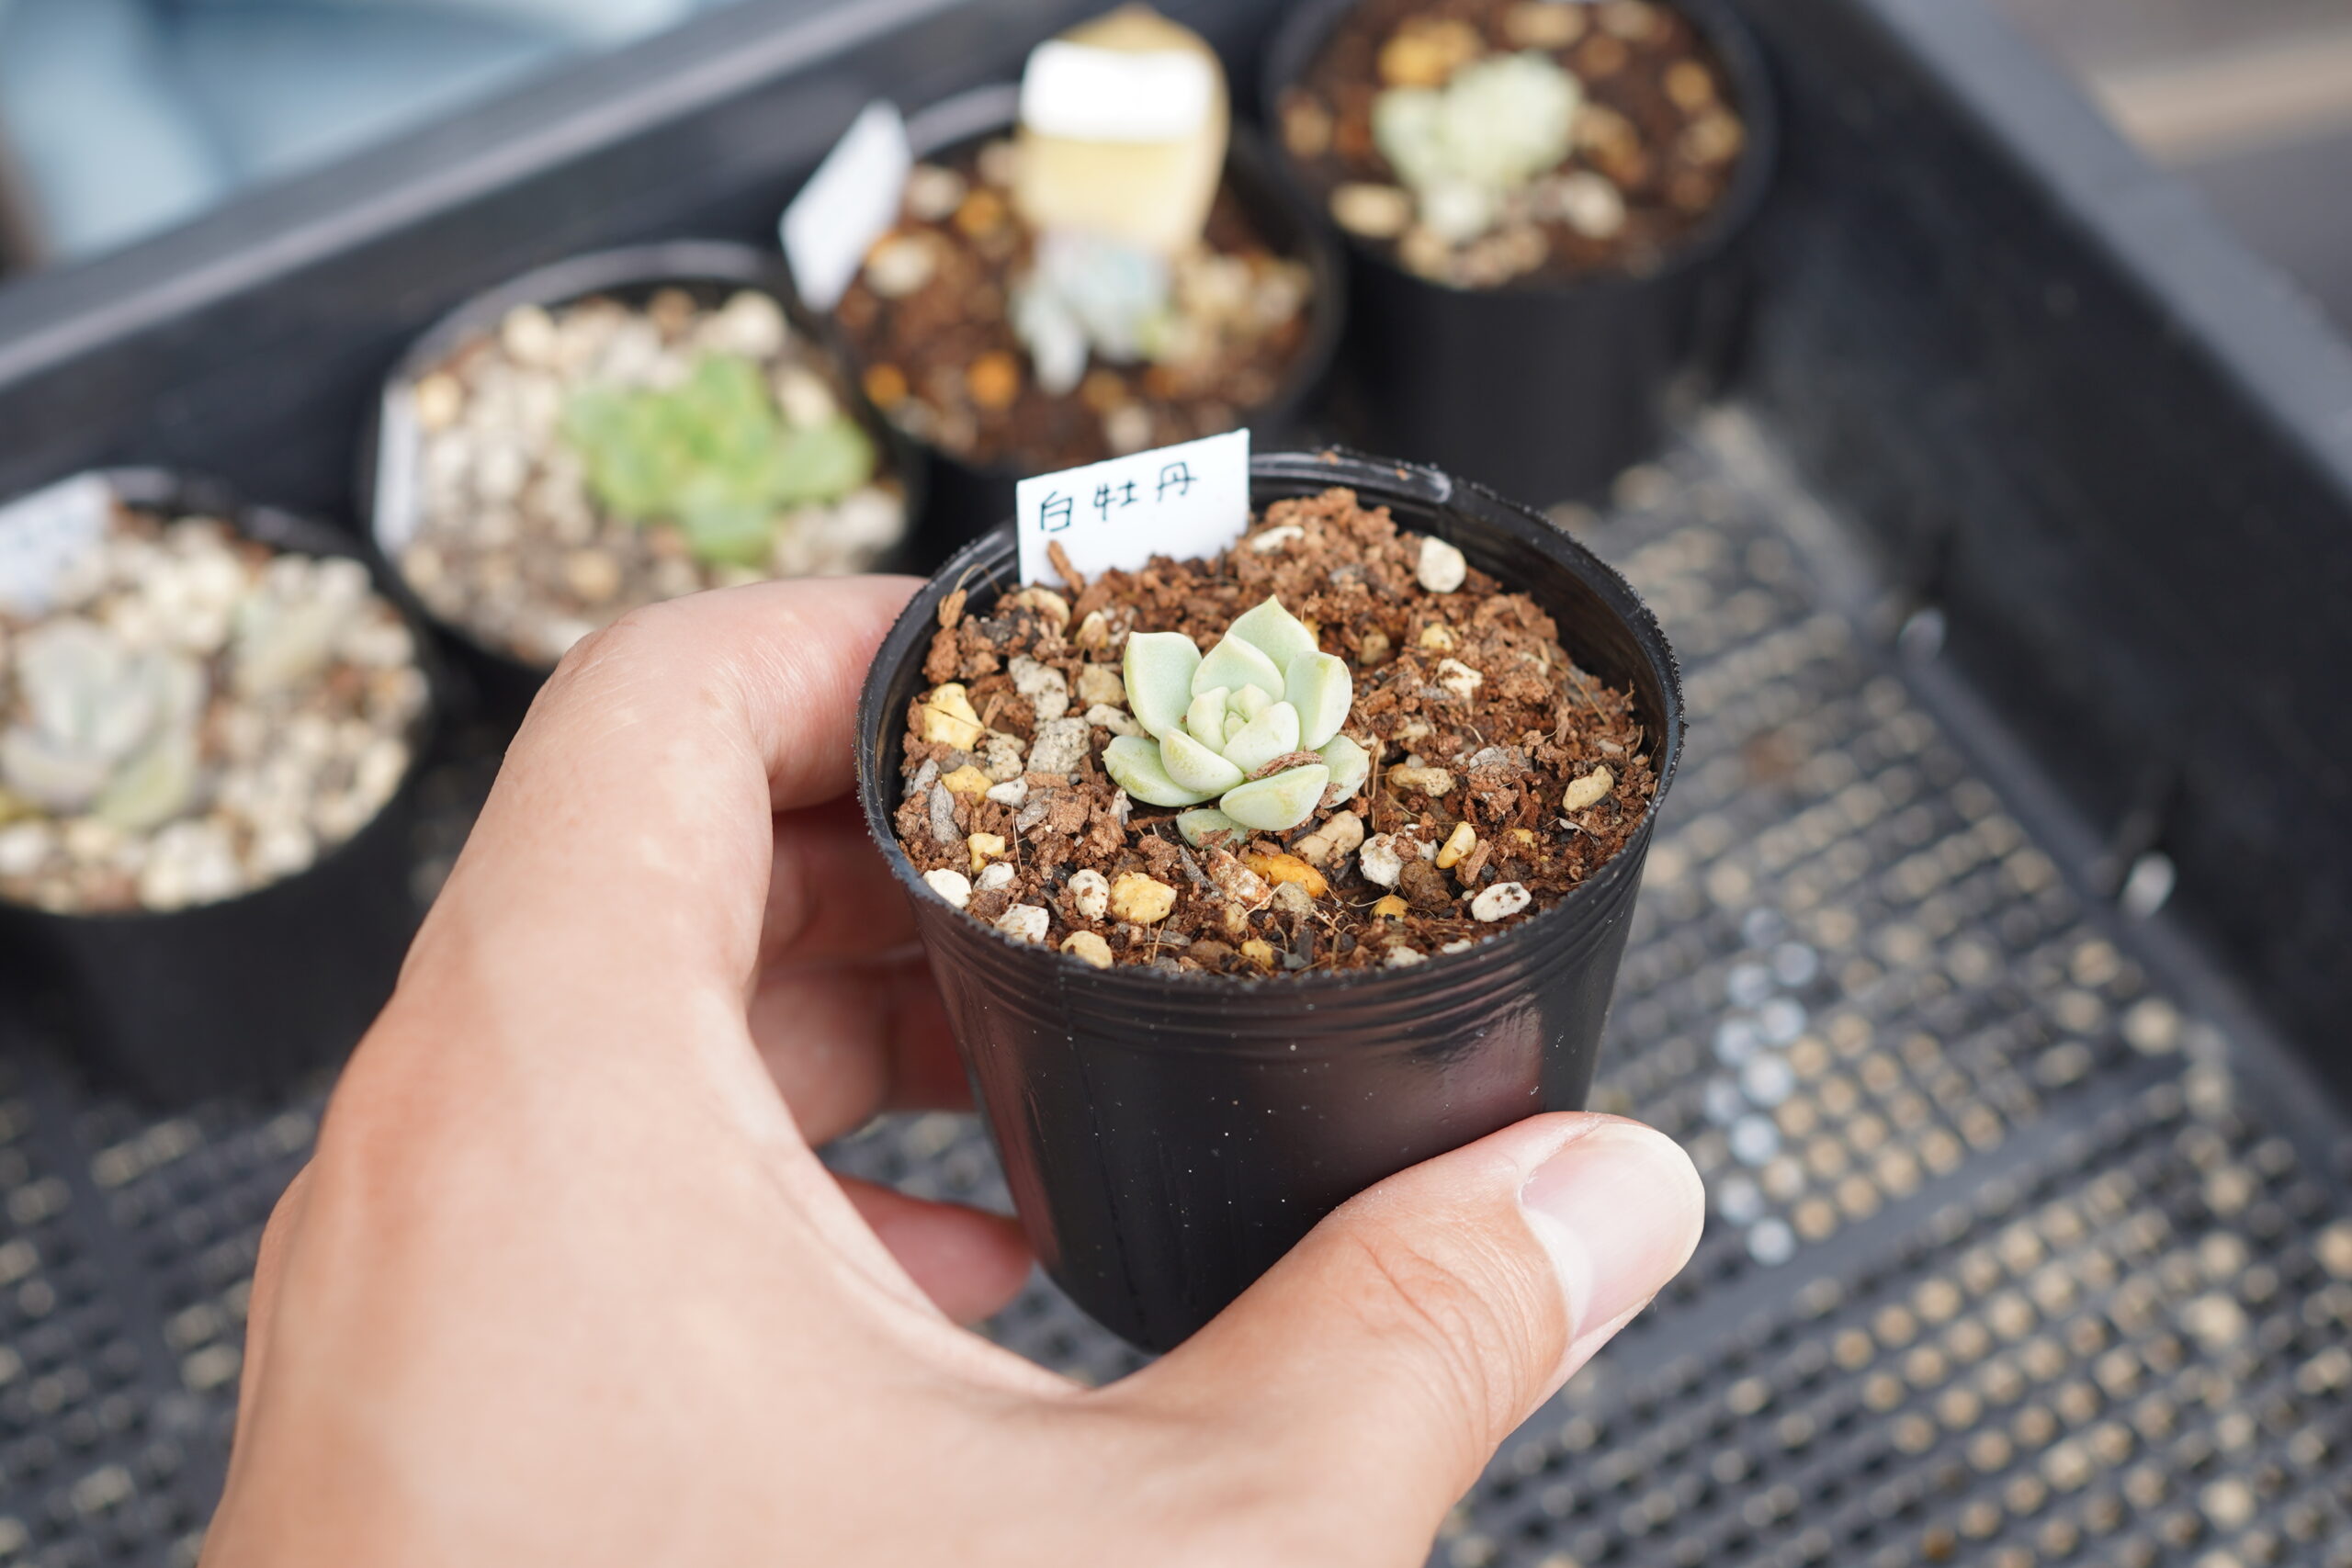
1265,692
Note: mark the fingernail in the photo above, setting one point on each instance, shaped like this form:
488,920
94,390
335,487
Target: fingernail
1619,1210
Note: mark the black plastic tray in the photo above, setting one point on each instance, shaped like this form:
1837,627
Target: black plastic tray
2060,1271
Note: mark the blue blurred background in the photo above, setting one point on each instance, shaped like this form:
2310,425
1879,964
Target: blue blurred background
121,118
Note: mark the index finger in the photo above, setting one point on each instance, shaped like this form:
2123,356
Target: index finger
624,854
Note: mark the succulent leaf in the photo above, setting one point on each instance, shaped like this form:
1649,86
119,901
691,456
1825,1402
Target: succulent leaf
1197,824
1205,721
713,455
1194,767
1349,765
1134,765
1320,688
153,788
1274,632
1272,734
1160,668
1234,664
1279,802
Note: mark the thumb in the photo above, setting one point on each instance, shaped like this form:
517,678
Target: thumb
1380,1364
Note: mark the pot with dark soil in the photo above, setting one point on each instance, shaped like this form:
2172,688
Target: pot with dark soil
1046,302
617,430
1251,880
1543,201
210,720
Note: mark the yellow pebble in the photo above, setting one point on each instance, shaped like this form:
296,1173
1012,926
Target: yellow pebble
1140,899
1588,791
1391,908
948,719
1459,842
1288,868
1258,950
968,779
994,380
984,847
1088,948
1436,637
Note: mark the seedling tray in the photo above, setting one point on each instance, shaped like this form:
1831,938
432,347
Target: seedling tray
2029,1242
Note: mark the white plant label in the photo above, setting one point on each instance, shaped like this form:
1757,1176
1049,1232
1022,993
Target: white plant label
46,532
851,202
1184,501
1084,93
400,453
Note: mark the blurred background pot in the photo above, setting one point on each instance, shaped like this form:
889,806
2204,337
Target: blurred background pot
966,496
422,393
1542,386
1167,1137
252,990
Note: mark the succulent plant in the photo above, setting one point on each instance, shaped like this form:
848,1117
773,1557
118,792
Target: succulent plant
108,729
1087,293
1255,726
712,456
1466,147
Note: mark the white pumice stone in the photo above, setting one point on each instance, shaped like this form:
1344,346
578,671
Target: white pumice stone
1045,686
1405,958
1059,746
952,886
1118,721
1459,678
992,877
1100,684
1442,569
1013,792
1465,945
1500,902
1380,861
1026,922
1090,894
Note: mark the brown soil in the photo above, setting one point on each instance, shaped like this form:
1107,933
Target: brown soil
1532,724
1668,136
943,363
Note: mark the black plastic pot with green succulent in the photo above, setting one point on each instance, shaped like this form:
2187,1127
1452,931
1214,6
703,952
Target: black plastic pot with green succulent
1544,206
1168,1135
193,898
618,429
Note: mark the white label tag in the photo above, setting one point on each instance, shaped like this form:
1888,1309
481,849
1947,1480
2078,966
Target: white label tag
46,532
1184,501
400,457
851,202
1084,93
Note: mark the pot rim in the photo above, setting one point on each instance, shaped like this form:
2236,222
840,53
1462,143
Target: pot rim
620,270
1300,35
909,637
985,111
154,488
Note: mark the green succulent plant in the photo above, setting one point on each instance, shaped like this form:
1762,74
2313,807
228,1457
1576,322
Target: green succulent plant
712,456
1254,726
108,729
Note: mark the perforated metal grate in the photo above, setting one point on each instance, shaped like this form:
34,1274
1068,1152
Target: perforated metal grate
2004,1265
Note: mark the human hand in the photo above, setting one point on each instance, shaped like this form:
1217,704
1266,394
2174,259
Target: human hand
564,1283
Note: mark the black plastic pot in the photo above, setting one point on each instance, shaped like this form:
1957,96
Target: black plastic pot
253,991
1544,389
503,683
966,498
1168,1136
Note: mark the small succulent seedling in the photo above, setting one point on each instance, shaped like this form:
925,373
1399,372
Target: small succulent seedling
712,456
1466,147
1254,726
108,729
